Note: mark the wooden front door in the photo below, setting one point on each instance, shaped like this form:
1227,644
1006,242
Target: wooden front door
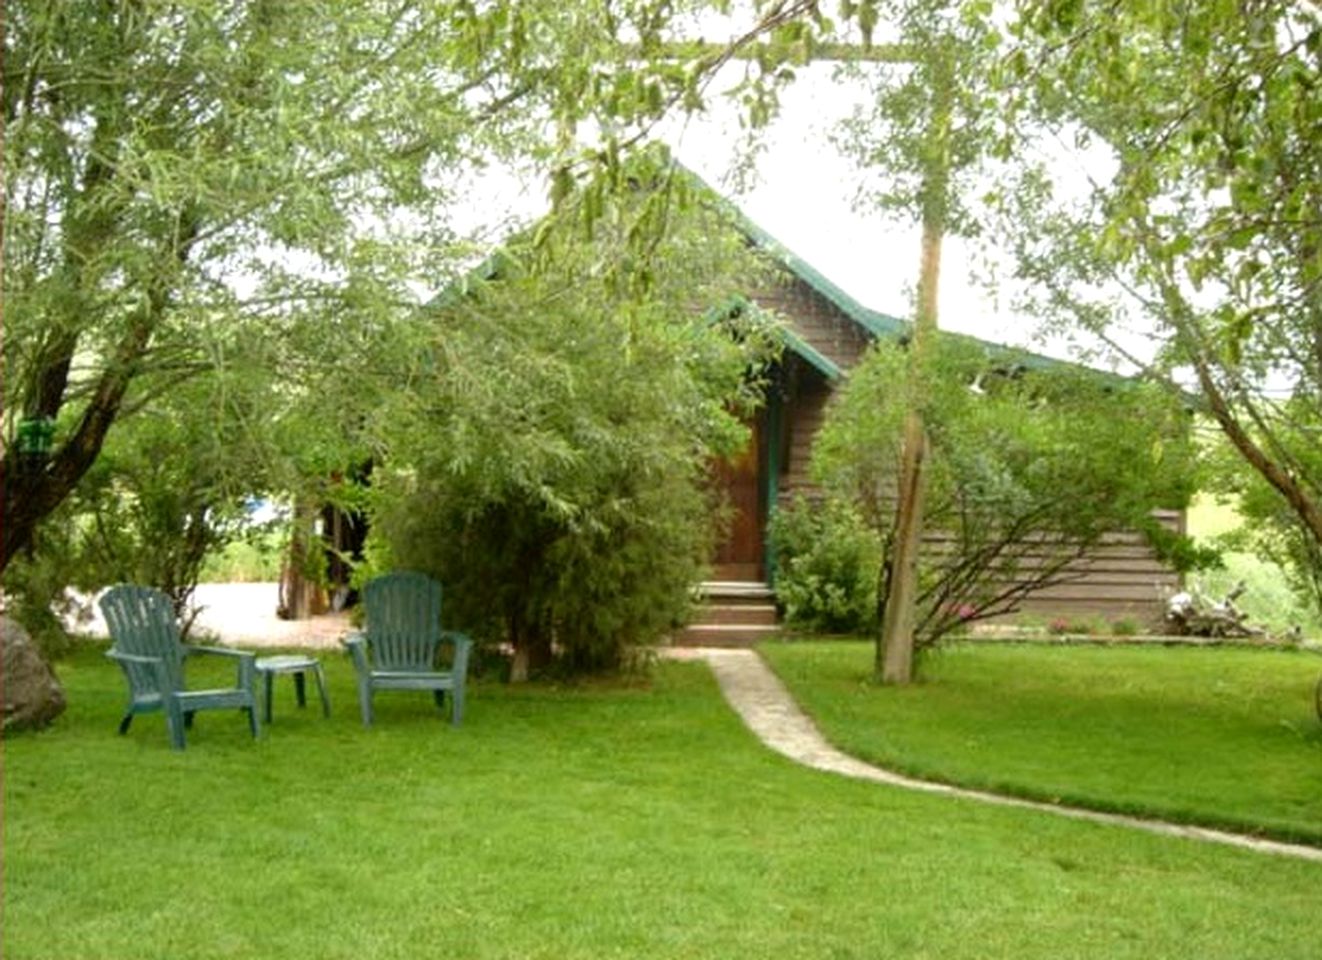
739,555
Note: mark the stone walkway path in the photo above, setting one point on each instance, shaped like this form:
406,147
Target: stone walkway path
759,697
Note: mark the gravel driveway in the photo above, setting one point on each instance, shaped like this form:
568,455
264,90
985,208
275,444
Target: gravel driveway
243,615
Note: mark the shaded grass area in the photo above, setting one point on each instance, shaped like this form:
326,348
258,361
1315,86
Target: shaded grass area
594,821
1219,737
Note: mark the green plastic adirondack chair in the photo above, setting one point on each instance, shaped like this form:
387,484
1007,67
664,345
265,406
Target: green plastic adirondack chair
148,648
401,643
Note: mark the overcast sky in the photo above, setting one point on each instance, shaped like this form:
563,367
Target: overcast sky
803,195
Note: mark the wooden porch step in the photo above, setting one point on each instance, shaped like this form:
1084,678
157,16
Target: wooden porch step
759,614
724,634
734,591
730,613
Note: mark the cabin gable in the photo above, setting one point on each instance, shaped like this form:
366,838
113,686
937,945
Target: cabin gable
817,322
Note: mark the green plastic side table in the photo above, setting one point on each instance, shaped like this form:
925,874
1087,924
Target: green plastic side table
299,666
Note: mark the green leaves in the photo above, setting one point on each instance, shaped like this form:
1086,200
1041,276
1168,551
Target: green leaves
828,562
936,114
554,475
1208,236
1026,469
178,174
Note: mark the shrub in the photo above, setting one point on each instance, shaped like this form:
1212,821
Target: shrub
1064,626
1027,470
827,563
1124,628
255,559
35,590
550,467
515,573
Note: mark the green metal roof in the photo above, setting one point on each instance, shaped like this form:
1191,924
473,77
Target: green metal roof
824,364
873,322
494,266
828,367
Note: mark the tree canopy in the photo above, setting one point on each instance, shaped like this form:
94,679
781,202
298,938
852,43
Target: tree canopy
1028,471
1208,233
185,179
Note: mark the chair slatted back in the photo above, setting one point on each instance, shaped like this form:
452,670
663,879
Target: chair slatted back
403,621
142,622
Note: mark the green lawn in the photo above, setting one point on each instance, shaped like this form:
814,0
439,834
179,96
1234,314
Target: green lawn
1222,737
588,822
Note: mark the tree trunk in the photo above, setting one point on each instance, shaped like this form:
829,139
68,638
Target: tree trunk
1305,508
301,596
532,649
31,490
895,643
896,646
895,652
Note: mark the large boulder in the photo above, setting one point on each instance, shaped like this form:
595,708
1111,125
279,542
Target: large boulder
33,697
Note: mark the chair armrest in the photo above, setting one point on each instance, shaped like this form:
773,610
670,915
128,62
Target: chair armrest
133,658
191,648
356,644
126,660
463,643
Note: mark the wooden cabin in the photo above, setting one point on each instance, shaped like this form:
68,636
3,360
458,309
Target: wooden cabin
827,333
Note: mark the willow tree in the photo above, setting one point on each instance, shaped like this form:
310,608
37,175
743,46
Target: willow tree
183,177
1203,227
551,465
1028,471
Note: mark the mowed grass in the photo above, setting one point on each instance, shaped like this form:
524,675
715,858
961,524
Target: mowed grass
596,821
1221,737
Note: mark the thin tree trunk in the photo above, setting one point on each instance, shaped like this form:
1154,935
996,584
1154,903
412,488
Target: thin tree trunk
895,643
896,647
532,650
1272,467
300,595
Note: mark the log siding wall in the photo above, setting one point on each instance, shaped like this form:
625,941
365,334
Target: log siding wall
1120,579
821,324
